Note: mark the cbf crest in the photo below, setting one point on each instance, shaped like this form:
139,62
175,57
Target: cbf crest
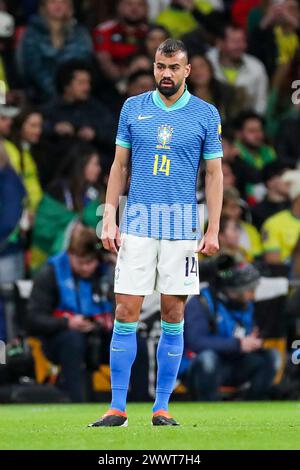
164,136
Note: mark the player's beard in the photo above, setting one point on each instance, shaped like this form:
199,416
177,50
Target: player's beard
168,91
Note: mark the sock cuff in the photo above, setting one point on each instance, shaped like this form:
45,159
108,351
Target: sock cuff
172,328
126,328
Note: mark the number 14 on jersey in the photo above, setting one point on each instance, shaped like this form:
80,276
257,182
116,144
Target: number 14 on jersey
161,164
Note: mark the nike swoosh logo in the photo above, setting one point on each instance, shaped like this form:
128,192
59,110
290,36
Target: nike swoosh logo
118,350
173,355
188,283
141,118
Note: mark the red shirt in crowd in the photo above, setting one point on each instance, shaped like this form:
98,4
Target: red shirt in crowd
240,10
119,40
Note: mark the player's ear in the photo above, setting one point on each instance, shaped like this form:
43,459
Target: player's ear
187,70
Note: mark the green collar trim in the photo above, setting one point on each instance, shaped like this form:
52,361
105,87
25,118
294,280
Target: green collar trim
180,103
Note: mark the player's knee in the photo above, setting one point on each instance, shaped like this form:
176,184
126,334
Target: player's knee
124,313
174,315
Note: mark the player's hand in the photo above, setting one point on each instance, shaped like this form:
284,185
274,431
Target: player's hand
111,237
250,343
209,245
79,323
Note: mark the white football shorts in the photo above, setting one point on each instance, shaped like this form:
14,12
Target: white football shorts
145,265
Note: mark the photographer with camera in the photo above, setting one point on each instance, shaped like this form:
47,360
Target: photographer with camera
70,312
222,345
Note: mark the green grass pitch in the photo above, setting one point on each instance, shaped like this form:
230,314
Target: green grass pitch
267,425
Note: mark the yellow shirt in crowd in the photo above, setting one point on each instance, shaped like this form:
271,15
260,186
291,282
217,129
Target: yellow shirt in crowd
250,241
280,233
28,172
287,44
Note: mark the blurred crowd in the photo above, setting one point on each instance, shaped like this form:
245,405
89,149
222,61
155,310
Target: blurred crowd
66,68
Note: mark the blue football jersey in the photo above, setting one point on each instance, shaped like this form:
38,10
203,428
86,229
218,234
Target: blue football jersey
166,145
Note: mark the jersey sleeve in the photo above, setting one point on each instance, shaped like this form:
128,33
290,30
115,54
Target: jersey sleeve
124,135
212,147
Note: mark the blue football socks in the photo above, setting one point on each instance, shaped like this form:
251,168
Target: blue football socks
122,355
169,354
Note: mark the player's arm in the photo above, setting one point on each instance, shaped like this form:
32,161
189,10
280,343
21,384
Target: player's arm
116,187
209,244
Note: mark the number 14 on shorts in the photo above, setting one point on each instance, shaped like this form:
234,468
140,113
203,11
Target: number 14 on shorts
190,266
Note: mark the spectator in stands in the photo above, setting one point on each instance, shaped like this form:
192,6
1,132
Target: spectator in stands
280,105
182,17
233,66
74,194
12,195
240,11
288,126
229,100
7,114
7,66
155,7
75,115
210,22
155,35
276,199
69,309
222,345
178,18
249,240
115,41
275,40
140,82
243,172
281,232
251,142
51,38
138,62
77,180
26,133
229,178
229,239
256,13
288,138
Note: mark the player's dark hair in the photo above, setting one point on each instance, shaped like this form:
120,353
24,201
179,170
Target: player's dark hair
66,72
171,46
